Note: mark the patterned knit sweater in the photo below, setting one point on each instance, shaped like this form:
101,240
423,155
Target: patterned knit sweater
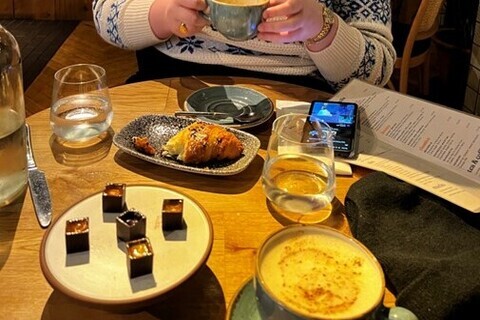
362,47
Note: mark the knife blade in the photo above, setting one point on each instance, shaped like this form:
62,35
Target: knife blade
38,187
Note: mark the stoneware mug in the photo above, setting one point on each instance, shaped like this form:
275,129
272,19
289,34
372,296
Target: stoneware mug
235,19
316,272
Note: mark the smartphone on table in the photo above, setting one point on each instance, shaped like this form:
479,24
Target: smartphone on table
343,118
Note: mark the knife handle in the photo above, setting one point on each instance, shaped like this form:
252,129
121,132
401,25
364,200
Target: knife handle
201,114
42,204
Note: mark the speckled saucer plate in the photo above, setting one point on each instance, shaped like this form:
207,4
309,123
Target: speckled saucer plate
234,100
100,275
244,305
159,129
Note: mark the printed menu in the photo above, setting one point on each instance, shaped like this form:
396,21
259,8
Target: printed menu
425,144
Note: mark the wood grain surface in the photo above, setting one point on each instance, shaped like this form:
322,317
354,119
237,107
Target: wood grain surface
84,45
236,204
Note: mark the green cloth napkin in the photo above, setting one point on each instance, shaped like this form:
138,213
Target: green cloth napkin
429,249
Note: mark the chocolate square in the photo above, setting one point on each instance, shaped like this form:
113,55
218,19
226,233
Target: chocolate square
77,235
131,225
139,257
172,214
113,197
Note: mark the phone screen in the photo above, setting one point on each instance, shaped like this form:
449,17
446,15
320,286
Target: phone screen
342,118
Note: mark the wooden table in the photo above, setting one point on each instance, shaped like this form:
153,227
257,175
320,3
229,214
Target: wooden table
236,205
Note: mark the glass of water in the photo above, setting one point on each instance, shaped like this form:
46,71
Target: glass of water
81,106
299,171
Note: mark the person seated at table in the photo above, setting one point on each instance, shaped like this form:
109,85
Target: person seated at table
173,39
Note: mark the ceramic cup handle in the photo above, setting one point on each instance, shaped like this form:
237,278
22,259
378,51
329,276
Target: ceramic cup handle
205,16
206,13
395,313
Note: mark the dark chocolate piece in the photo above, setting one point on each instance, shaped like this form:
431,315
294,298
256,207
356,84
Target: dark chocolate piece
131,225
77,235
113,197
172,214
139,257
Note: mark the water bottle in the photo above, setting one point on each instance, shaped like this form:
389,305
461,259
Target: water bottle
13,161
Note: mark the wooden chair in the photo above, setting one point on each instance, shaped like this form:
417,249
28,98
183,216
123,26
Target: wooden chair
413,44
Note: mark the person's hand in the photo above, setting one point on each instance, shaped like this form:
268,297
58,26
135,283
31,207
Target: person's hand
178,17
291,20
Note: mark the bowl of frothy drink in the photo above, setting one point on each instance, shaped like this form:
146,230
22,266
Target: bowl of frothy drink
316,272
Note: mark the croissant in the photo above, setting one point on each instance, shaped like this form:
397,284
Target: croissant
202,142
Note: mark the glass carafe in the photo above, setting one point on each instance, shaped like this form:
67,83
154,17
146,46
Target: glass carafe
13,163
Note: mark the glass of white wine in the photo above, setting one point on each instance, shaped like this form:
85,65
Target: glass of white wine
299,171
81,108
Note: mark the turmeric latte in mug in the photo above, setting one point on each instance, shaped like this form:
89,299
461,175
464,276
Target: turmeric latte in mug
315,272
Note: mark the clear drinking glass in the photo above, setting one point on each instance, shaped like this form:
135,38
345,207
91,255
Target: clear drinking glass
299,171
81,106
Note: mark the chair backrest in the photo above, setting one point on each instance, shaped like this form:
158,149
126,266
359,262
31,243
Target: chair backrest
428,17
424,26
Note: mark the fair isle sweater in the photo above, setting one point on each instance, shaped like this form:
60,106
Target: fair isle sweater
362,47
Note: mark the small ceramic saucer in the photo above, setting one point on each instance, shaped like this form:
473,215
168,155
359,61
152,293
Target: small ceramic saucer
243,305
234,100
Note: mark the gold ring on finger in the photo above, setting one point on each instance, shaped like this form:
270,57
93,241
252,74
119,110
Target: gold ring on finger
183,28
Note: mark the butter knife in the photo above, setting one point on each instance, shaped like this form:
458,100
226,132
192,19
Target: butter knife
38,187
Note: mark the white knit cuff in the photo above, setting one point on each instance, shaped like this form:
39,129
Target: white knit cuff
335,62
135,30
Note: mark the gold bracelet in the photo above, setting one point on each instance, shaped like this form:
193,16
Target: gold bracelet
328,21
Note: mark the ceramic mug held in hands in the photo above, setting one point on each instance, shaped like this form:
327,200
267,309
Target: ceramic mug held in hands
316,272
235,19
